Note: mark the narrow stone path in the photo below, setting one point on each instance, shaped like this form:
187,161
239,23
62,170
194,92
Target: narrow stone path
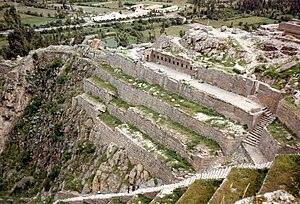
215,173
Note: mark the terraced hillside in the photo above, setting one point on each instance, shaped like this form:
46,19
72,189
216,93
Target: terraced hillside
134,139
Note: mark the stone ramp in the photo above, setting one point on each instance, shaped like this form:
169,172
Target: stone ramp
215,173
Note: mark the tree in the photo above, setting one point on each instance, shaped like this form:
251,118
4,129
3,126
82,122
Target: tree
79,37
120,4
122,39
12,18
163,28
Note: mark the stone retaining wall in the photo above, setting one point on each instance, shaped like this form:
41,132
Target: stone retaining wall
287,116
137,154
141,71
89,108
104,94
268,146
243,86
230,82
139,97
130,116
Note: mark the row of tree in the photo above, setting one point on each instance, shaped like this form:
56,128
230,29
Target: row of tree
283,6
24,38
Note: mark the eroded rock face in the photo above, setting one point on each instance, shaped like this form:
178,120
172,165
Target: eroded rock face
117,172
206,44
52,146
13,96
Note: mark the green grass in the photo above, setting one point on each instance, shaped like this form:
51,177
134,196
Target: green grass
200,192
238,183
170,198
36,20
104,84
280,132
251,20
284,174
45,12
171,31
289,101
139,199
120,103
93,98
110,120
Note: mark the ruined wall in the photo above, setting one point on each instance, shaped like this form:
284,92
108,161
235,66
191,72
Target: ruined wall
129,94
229,82
289,117
243,86
268,96
268,146
290,28
141,71
176,63
136,153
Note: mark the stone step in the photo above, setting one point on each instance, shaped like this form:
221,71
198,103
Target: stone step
256,137
252,140
257,134
251,143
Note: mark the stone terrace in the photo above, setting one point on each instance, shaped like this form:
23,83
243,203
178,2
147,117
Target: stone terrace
236,100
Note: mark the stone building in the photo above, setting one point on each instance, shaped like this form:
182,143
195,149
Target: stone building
291,28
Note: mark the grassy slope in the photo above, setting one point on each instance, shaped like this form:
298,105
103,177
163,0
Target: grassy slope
284,174
199,192
280,132
238,181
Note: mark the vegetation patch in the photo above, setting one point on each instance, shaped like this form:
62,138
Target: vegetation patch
139,199
104,84
110,120
240,183
200,192
171,198
284,174
282,134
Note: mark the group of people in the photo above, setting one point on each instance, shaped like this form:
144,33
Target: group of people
132,186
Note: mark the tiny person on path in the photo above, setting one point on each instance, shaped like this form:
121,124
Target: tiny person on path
128,188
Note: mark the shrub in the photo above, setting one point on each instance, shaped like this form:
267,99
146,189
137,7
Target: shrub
62,79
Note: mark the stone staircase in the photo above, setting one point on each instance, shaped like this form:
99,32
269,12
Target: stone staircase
214,173
254,136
